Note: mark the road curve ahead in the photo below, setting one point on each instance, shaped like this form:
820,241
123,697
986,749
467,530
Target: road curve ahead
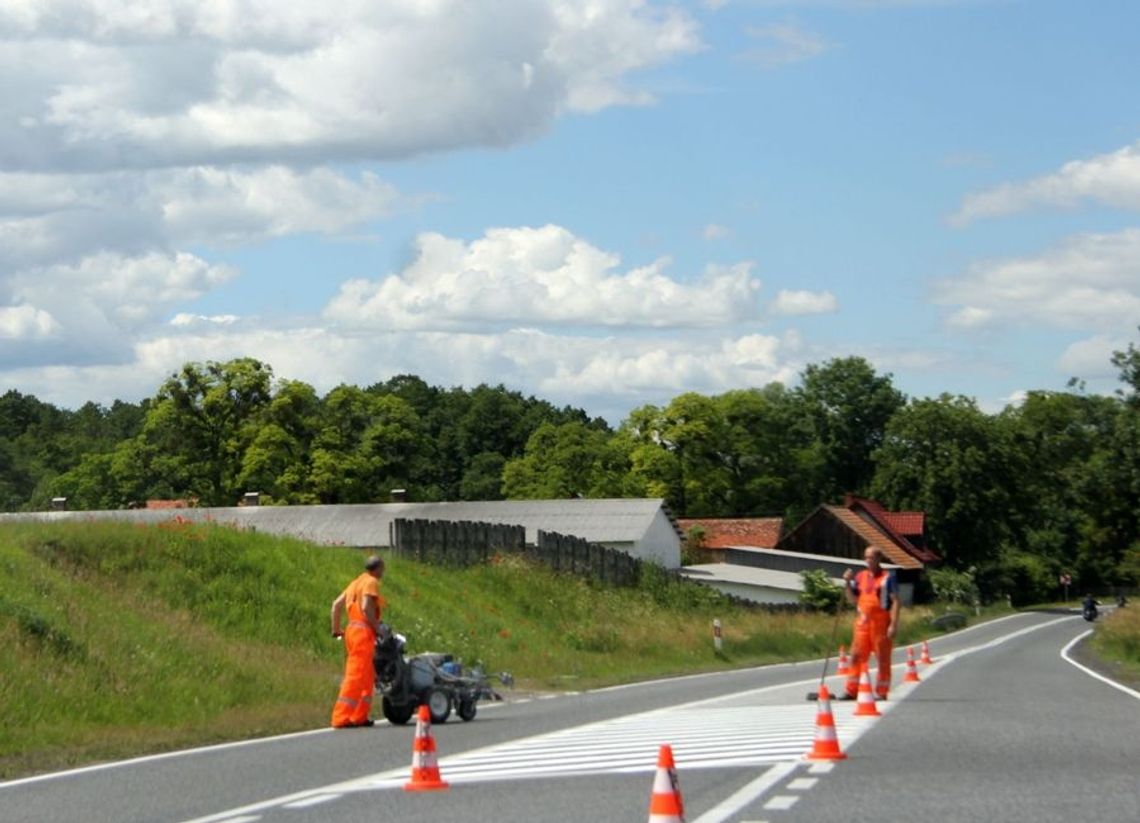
1001,727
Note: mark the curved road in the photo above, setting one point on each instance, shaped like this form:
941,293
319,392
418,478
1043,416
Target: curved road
1002,727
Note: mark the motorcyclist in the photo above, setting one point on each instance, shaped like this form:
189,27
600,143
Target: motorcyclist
1088,607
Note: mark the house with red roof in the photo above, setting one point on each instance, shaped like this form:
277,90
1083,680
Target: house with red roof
832,538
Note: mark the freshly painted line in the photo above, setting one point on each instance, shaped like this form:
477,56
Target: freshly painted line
781,802
1065,656
249,818
802,784
153,758
748,794
316,800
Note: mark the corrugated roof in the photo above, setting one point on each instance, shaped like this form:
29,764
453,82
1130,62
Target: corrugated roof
875,537
728,532
747,575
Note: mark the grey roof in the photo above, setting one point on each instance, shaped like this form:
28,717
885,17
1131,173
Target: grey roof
368,524
746,575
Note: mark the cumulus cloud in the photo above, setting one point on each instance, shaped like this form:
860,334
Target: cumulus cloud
92,310
714,231
1088,282
181,82
1091,357
539,276
1109,179
792,302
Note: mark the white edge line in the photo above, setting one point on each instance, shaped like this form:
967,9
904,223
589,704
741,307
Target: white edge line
1065,656
748,794
151,758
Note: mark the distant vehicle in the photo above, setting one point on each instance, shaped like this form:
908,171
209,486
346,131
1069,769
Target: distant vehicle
1088,609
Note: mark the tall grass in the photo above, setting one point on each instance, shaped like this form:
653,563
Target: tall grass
1117,637
119,639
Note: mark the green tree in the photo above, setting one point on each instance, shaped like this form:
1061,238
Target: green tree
947,458
200,424
849,406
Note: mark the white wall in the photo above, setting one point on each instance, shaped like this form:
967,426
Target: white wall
660,542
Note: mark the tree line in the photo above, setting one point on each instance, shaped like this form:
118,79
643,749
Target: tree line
1046,486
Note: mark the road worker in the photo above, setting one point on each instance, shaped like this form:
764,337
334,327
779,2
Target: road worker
364,606
874,593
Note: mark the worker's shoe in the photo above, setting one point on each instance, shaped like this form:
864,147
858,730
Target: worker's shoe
846,696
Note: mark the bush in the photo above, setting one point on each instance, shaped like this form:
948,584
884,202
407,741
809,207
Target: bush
953,586
819,592
1024,578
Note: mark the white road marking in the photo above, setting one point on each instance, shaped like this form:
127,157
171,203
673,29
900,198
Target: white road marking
781,802
802,784
1065,656
742,797
315,800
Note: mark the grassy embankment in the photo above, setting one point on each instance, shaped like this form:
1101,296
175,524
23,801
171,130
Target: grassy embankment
1117,639
118,640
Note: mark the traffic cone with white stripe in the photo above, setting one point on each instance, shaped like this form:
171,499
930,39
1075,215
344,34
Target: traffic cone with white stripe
425,767
826,743
865,705
844,665
665,804
911,675
926,659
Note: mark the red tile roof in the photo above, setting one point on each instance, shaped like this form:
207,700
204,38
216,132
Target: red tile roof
873,511
907,523
875,536
725,532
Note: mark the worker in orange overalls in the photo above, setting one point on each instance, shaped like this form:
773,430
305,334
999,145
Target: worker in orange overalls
874,593
364,605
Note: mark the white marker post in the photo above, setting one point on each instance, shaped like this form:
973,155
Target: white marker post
718,642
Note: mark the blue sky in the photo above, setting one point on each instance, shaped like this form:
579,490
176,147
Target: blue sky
604,204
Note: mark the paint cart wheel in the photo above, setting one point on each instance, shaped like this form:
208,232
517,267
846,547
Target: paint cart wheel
466,709
397,713
439,704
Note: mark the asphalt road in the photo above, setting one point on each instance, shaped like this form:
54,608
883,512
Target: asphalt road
1000,728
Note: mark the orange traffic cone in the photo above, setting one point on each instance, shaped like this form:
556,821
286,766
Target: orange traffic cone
865,705
844,665
925,654
826,744
911,671
425,769
665,804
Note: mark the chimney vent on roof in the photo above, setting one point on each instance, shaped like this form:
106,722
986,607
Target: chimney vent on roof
59,504
398,495
251,499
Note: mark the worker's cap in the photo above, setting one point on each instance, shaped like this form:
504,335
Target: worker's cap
373,563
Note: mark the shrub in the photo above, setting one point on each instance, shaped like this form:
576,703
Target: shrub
819,592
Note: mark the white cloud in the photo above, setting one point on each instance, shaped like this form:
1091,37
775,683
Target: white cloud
92,311
714,231
539,276
26,323
182,82
779,44
1091,358
1108,179
790,301
1088,282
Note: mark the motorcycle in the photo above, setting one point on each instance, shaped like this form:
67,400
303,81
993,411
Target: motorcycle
1089,612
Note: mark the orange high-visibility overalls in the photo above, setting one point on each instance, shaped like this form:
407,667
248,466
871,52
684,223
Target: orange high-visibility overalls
870,636
354,703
